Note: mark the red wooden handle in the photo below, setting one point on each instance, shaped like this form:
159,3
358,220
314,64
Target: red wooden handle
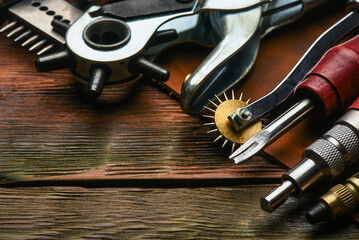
355,105
333,84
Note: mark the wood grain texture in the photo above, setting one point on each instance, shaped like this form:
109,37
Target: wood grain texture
50,131
134,213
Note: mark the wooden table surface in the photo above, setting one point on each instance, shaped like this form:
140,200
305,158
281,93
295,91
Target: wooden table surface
130,165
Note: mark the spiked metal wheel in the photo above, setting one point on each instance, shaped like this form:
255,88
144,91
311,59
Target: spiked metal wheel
222,125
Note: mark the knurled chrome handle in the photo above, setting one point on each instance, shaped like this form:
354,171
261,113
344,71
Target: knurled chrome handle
338,149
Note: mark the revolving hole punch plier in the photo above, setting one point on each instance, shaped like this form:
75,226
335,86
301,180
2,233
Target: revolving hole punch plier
116,43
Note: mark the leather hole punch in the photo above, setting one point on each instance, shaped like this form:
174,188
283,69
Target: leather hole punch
233,28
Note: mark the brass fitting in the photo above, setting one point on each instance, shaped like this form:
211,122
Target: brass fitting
340,200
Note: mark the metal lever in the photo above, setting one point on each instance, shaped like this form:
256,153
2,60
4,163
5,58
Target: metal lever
234,55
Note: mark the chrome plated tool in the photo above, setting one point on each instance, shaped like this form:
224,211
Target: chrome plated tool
324,160
116,43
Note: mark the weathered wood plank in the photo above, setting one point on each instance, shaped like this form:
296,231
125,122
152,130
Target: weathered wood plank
50,130
135,213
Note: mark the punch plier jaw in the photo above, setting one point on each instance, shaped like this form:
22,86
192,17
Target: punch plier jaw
108,45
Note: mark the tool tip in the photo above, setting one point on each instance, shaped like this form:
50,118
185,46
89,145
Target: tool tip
252,147
318,213
93,93
245,152
277,197
266,205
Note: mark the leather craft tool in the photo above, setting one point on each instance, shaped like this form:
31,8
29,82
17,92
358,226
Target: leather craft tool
318,92
116,46
340,200
286,14
256,110
119,46
326,158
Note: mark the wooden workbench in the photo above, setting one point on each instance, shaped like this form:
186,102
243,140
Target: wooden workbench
130,165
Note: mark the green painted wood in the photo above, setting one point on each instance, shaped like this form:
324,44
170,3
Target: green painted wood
138,213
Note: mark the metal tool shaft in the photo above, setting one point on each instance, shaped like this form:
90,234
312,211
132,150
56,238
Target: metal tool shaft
325,159
289,119
273,131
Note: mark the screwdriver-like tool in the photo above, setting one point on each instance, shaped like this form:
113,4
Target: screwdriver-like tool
339,201
324,160
327,90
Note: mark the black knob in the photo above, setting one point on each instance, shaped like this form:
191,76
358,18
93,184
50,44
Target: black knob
54,61
60,26
98,78
143,66
163,37
318,213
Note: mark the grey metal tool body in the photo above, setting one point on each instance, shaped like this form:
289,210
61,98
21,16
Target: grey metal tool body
324,160
124,42
260,108
30,23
